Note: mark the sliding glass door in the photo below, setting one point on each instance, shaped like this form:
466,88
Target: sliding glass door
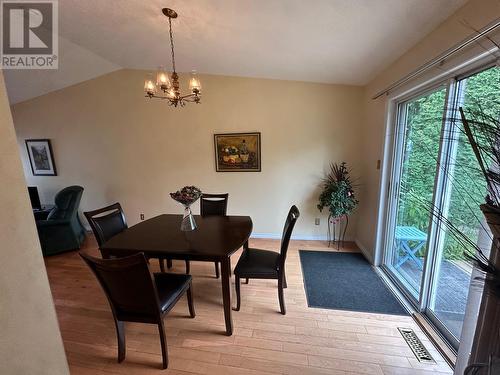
419,126
435,179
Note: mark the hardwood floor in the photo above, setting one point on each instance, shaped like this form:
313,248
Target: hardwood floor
305,341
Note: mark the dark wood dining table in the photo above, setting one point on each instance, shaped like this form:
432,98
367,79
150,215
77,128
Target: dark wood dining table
215,240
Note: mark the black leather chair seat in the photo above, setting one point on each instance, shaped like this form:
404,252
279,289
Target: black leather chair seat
256,263
135,295
265,264
170,287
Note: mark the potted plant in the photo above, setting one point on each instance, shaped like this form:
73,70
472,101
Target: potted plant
483,134
338,196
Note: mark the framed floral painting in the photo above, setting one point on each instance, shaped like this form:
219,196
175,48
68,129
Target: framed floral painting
41,159
237,152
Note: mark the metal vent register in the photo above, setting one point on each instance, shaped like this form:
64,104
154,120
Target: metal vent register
416,345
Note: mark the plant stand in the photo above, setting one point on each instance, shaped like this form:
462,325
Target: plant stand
337,228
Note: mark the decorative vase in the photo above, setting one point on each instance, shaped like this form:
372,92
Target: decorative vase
187,196
244,158
188,223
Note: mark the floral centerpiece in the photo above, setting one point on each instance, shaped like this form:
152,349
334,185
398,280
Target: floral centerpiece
187,196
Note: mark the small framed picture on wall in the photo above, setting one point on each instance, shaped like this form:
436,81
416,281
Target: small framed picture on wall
41,157
237,152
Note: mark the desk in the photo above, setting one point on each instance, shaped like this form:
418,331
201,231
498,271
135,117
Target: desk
409,240
215,240
42,213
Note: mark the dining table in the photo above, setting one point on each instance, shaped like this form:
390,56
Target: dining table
215,239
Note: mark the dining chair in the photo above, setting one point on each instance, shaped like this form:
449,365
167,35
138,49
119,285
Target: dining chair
136,295
265,264
211,205
108,221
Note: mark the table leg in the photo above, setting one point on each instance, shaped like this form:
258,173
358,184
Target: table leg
413,255
226,293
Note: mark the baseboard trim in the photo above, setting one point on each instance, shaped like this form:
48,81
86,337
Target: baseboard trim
303,237
277,236
364,251
399,296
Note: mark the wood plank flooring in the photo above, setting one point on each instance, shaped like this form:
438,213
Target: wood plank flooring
305,341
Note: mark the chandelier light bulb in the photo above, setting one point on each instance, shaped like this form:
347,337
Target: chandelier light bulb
162,80
171,94
194,83
149,86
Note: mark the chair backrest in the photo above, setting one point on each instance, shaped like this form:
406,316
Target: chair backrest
128,285
66,202
213,204
291,219
106,222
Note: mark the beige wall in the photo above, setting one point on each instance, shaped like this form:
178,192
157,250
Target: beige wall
30,342
123,147
478,13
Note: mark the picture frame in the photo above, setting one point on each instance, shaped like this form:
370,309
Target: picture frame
41,157
237,152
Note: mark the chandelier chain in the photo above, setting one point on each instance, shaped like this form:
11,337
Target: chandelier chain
171,42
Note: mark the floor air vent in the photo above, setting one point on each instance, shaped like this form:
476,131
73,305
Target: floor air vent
416,345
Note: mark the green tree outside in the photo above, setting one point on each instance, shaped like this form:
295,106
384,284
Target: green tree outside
424,121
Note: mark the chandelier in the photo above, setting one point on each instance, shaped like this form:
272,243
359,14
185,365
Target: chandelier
167,87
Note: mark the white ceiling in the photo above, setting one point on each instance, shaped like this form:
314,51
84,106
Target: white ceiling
332,41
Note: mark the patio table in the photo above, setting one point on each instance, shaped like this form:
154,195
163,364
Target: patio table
409,240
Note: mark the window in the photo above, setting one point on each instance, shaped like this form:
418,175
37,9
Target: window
434,170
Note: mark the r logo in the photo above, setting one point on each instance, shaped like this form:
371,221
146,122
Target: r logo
27,28
29,34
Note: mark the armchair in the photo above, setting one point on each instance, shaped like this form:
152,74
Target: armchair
62,231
